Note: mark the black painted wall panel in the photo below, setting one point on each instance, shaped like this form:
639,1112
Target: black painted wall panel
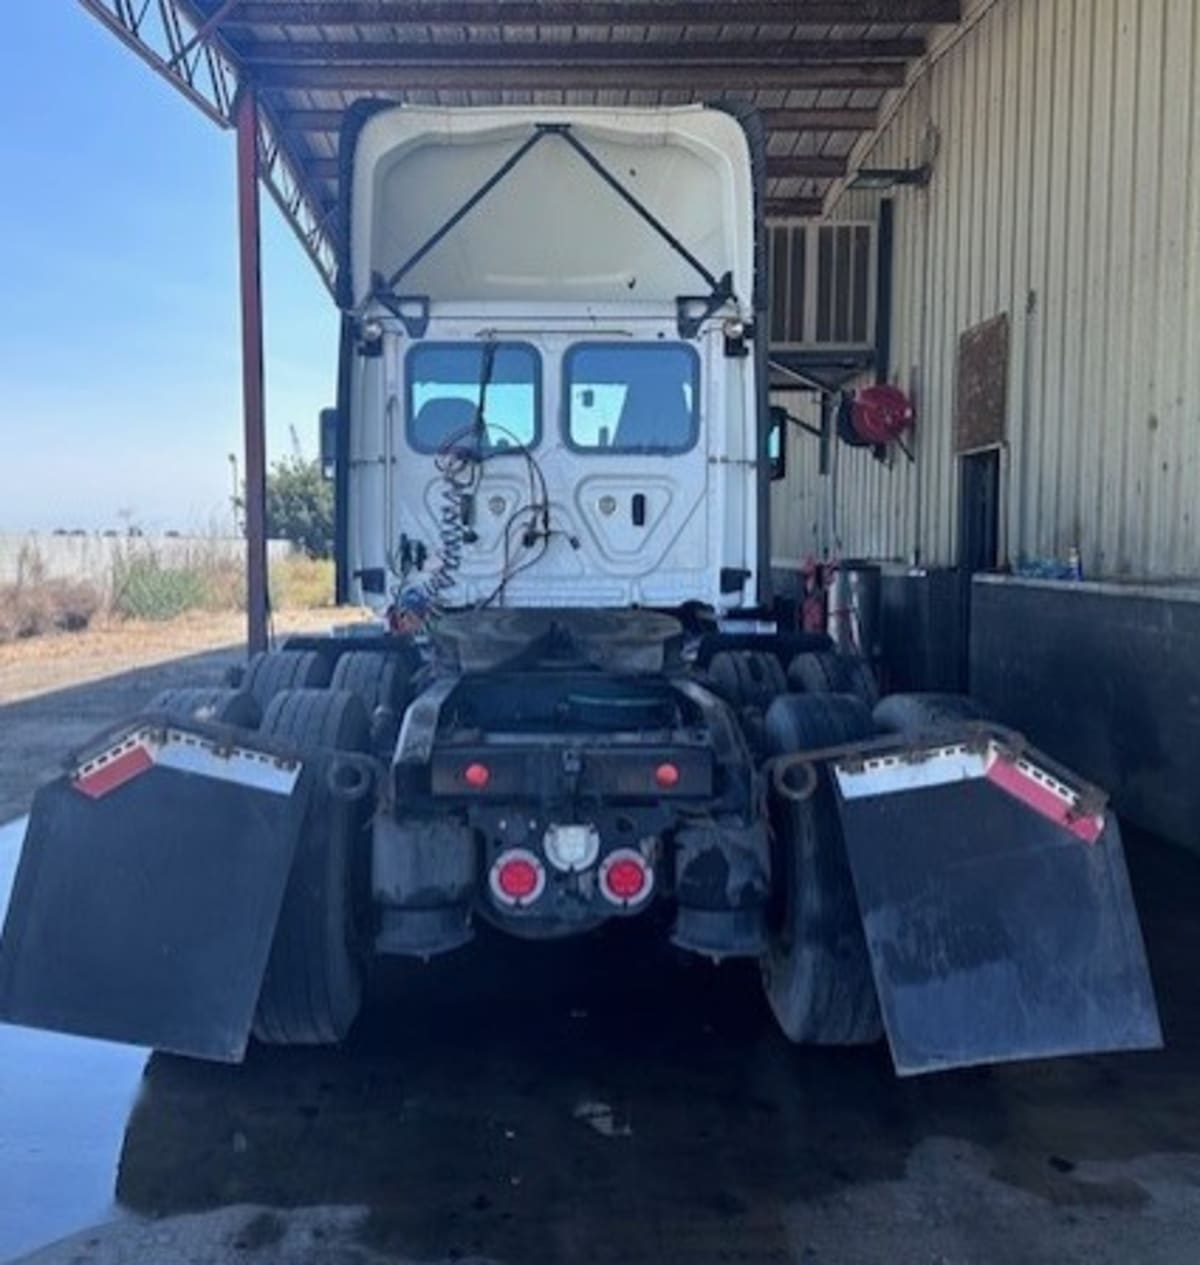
1105,680
921,628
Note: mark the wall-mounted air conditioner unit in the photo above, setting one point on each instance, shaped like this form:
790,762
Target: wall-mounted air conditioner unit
822,285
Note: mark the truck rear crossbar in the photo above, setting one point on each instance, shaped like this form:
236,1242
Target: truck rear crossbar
892,765
150,746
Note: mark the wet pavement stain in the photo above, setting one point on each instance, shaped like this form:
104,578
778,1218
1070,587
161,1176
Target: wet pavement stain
63,1105
453,1115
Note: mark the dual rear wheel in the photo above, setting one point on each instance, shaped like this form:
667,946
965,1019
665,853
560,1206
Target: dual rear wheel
313,986
816,972
312,989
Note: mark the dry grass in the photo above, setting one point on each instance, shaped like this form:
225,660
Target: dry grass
302,583
57,633
32,608
142,589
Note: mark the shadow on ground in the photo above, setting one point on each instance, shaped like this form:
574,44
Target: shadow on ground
37,734
606,1100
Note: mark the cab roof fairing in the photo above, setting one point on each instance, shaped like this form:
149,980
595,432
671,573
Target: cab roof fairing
536,236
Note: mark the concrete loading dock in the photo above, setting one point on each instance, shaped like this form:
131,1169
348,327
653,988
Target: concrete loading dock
830,367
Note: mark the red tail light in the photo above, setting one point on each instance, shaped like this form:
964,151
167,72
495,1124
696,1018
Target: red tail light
477,776
517,877
667,775
625,877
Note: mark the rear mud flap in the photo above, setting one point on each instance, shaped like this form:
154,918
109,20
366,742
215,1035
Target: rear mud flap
148,890
996,905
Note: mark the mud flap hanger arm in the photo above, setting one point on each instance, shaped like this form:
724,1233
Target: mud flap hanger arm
691,310
976,736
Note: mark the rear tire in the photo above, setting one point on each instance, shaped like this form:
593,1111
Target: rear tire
784,646
833,674
809,722
313,986
223,707
747,678
816,972
925,713
271,672
380,680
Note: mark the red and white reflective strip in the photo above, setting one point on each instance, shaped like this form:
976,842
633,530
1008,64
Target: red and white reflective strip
114,767
940,766
1037,789
145,749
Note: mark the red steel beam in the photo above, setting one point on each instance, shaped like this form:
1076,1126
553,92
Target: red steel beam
595,13
667,74
253,404
792,208
474,52
799,120
795,120
805,167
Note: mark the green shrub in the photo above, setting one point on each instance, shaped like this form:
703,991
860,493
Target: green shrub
300,505
144,589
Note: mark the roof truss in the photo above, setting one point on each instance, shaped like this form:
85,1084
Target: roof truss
364,13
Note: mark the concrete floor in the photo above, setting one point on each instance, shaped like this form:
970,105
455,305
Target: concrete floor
605,1101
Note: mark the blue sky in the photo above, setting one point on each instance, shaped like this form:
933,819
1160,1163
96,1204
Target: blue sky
120,388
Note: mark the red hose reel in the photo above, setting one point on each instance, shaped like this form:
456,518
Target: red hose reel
881,414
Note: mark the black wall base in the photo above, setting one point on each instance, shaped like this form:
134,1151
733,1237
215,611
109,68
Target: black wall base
1106,679
924,640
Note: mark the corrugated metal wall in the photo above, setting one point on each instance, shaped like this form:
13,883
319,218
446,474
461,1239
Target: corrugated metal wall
1067,193
800,504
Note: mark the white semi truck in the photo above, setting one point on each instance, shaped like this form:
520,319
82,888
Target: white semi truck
549,453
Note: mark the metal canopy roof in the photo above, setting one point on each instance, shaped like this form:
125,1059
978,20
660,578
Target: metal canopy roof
818,70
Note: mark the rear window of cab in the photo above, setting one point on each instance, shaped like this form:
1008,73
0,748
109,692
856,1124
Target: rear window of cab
449,395
631,397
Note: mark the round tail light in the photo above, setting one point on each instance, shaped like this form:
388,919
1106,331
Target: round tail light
667,775
626,878
517,877
477,776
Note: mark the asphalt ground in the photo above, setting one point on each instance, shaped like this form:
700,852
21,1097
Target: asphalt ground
603,1100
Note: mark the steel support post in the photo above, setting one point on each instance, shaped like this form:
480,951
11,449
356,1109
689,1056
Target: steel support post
253,412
